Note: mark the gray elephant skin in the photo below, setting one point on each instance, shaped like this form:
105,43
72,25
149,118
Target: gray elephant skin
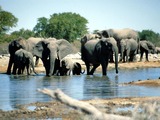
157,50
88,37
128,49
97,52
119,34
146,47
23,59
52,51
16,45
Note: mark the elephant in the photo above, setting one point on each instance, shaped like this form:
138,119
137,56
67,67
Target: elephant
119,34
68,66
77,69
147,47
114,48
22,59
50,51
157,50
16,45
88,37
97,52
128,49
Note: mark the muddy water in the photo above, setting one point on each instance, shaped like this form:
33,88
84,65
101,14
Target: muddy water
22,89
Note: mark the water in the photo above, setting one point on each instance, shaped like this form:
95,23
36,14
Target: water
23,89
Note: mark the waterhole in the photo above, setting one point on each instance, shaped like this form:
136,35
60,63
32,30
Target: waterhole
21,89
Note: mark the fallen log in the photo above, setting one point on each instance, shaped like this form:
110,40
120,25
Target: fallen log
83,106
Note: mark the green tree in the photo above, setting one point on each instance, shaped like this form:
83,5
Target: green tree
67,25
23,33
7,21
40,27
150,36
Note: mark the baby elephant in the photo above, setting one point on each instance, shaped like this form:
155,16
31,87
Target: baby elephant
23,59
77,69
68,66
128,49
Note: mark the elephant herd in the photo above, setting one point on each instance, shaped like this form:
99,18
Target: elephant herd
96,49
52,52
99,48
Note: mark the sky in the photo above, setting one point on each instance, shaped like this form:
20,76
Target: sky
101,14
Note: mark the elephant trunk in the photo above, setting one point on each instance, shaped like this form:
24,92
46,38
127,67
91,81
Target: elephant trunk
52,59
116,58
32,65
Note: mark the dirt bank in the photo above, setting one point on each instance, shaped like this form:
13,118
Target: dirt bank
57,110
152,83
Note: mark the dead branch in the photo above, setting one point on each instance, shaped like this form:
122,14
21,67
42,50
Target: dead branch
85,107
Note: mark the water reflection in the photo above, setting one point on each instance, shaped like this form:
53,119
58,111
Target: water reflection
23,89
99,87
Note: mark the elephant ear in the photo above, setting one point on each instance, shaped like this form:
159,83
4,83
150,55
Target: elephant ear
144,45
107,43
64,48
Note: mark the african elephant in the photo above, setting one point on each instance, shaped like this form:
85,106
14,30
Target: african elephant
97,52
88,37
114,48
68,66
22,59
16,45
147,47
49,51
157,50
128,49
77,69
119,34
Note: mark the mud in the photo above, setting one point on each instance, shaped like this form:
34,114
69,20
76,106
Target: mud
57,110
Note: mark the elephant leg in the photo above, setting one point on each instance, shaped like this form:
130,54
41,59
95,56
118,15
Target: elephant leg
93,69
68,72
88,68
14,69
146,56
11,60
79,70
104,67
127,55
120,59
111,58
133,56
28,69
19,70
141,55
37,61
46,65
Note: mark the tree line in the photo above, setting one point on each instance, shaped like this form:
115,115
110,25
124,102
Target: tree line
67,25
